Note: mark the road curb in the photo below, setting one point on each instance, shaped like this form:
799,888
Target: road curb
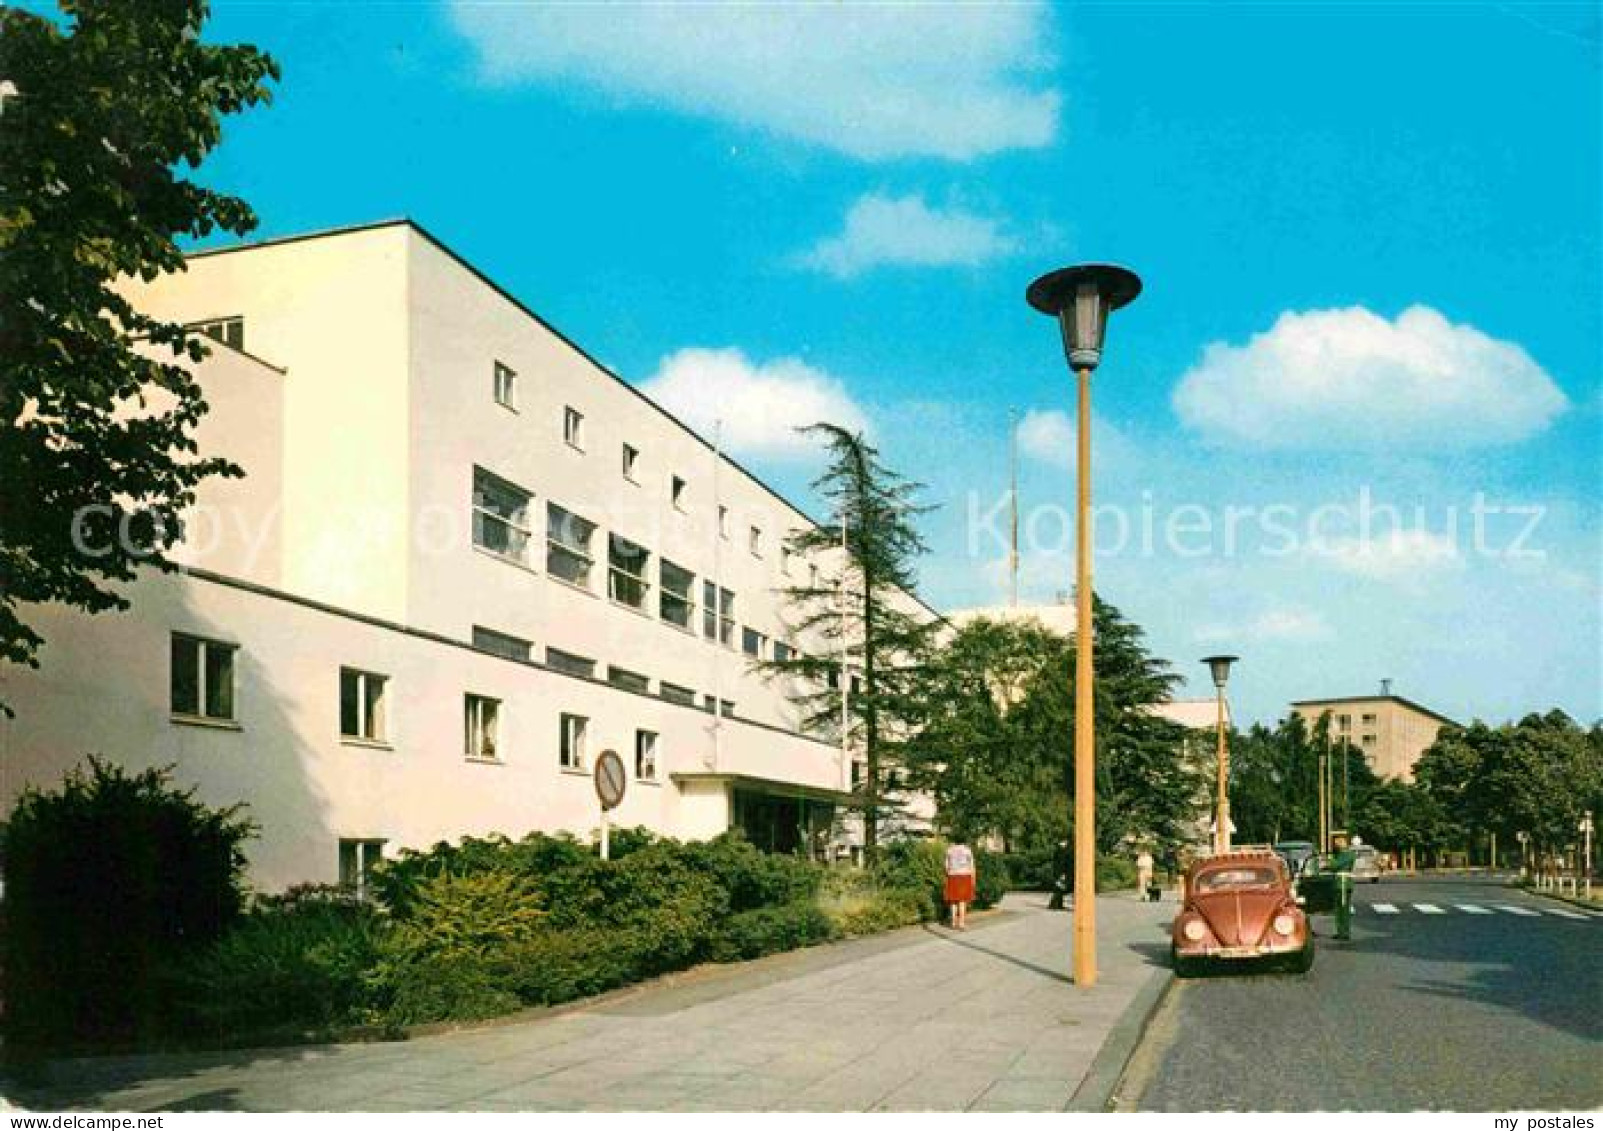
1095,1092
1553,895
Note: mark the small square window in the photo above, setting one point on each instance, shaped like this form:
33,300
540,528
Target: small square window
677,491
631,457
506,386
229,331
573,427
785,556
201,678
753,643
646,755
481,724
710,704
723,522
756,542
362,704
628,680
575,729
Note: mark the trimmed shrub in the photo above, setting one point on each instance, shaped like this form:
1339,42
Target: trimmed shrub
917,867
769,930
754,878
1114,873
992,879
297,966
472,915
462,987
110,881
558,966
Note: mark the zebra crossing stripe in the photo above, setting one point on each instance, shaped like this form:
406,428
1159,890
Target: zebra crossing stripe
1429,909
1473,909
1563,914
1512,910
1384,908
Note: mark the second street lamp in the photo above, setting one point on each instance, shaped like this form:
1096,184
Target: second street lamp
1080,298
1219,667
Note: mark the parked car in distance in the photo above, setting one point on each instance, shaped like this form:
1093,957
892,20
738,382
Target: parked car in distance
1296,854
1240,907
1366,864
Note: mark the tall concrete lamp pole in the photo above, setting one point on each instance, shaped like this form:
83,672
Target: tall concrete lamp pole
1219,667
1079,298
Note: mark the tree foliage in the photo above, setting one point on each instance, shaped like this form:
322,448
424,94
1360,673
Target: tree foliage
865,614
1274,782
101,118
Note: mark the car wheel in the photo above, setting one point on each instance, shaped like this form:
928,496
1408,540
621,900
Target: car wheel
1303,960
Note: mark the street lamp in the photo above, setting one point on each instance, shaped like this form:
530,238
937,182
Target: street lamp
1585,829
1219,668
1080,298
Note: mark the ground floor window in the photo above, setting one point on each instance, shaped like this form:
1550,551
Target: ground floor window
646,755
201,682
481,724
362,704
574,730
357,858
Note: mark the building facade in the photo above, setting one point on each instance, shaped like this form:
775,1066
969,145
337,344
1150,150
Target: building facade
1391,732
465,559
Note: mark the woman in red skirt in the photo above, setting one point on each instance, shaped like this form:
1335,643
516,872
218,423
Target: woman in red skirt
959,884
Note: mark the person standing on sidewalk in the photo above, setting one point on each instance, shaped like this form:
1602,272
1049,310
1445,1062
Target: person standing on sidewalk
1143,875
959,884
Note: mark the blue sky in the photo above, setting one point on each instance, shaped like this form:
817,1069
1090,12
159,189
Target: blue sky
1370,238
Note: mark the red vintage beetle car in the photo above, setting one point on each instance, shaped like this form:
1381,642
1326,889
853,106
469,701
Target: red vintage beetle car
1240,906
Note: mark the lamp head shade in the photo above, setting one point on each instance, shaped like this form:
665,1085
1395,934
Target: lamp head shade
1080,298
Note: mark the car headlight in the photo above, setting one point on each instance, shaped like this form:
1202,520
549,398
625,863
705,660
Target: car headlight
1285,924
1194,930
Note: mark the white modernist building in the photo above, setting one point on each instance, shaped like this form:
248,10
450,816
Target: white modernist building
464,560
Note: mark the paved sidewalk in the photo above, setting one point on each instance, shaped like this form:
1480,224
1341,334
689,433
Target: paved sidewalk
984,1020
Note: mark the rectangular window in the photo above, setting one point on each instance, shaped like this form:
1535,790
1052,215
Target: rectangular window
812,575
357,858
631,457
676,492
785,556
505,384
573,427
574,729
500,516
752,642
1344,722
672,692
1369,720
626,577
1369,740
783,653
707,702
501,644
755,541
558,660
202,678
646,755
481,723
628,680
229,331
676,600
567,546
723,522
362,704
717,613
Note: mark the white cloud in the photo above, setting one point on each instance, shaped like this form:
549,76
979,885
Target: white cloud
874,81
1351,379
1397,555
1293,624
906,232
760,406
1049,436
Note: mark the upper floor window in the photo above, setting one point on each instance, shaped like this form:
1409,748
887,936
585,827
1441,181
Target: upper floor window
783,653
500,516
646,755
676,694
812,574
628,680
717,613
501,644
574,731
481,725
631,458
626,577
723,521
573,427
567,546
785,555
753,642
1369,720
201,680
558,660
1344,722
229,331
676,602
755,541
723,708
362,704
506,386
677,489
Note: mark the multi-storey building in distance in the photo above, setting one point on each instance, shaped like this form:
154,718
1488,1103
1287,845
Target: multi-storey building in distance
465,558
1391,732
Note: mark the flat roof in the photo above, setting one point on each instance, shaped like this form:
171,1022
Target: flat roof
462,261
1409,703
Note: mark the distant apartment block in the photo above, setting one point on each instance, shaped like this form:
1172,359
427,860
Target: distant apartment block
465,559
1391,732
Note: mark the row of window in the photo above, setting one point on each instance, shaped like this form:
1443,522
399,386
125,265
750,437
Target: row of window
504,385
201,687
502,525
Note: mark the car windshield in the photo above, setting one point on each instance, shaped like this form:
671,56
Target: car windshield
1241,876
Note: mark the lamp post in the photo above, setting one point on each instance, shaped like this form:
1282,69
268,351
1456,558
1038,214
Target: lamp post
1585,829
1080,299
1219,667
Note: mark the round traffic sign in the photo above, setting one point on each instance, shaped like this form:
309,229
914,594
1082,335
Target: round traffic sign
610,780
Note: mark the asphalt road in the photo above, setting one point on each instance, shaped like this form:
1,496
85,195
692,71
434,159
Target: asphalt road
1447,998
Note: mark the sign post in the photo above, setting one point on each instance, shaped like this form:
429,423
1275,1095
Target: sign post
610,784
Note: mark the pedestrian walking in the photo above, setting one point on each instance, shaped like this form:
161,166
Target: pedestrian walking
1143,874
959,884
